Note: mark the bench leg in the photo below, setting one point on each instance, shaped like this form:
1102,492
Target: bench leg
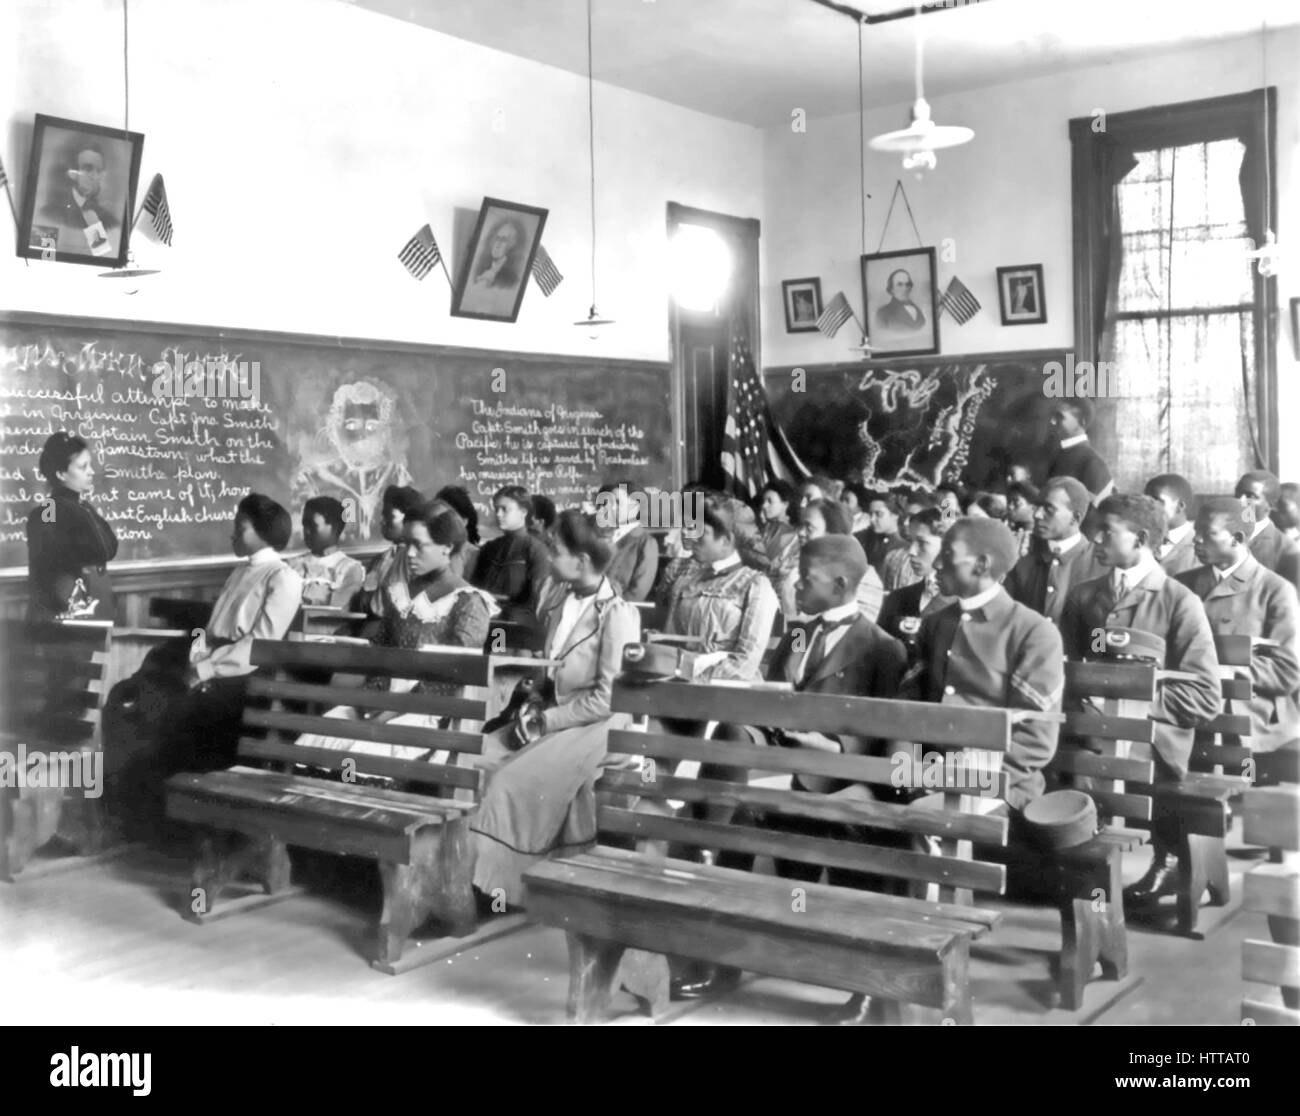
593,965
646,976
399,918
225,857
437,883
1286,931
1202,865
1092,929
956,987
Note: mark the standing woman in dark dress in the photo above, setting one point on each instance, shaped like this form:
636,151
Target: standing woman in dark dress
513,566
68,542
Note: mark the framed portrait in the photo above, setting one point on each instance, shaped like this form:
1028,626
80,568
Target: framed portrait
79,203
901,302
803,304
498,261
1020,295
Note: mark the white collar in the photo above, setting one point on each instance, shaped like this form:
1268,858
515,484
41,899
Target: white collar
838,613
1177,534
263,557
1262,525
727,563
1064,546
1223,575
620,533
969,604
1135,575
79,198
1077,440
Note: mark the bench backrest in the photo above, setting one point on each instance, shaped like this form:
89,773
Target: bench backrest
296,707
973,737
53,679
1108,702
1219,745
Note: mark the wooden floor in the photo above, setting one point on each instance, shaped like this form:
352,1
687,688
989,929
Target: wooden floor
103,944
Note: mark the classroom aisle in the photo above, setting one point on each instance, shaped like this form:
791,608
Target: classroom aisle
104,944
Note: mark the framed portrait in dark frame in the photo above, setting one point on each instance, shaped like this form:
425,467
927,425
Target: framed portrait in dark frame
1020,295
498,261
79,200
802,299
901,301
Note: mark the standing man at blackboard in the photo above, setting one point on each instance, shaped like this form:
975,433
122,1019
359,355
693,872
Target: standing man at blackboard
69,544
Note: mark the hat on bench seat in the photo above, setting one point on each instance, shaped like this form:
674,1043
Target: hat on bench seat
657,660
1134,645
1061,819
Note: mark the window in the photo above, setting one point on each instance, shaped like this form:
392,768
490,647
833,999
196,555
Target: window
1168,203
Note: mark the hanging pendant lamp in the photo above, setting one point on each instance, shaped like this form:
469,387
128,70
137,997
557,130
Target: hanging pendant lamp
923,137
593,322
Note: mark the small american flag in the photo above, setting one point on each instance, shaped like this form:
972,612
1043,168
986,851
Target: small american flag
959,302
545,272
753,445
4,178
421,254
160,214
837,312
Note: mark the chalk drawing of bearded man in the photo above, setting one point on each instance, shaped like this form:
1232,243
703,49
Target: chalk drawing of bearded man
357,453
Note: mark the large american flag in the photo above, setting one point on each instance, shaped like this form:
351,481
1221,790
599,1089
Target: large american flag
753,446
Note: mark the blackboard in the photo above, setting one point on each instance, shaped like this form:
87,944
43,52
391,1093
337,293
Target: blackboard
912,422
295,416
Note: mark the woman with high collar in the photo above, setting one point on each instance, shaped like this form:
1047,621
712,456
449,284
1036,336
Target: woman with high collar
69,544
513,566
543,764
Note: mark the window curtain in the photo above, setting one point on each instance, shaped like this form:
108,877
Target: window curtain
1181,351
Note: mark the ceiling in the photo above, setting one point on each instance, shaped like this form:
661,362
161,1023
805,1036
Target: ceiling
753,61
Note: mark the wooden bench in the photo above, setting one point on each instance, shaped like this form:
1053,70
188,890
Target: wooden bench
1271,818
415,825
895,948
1086,881
54,690
1219,747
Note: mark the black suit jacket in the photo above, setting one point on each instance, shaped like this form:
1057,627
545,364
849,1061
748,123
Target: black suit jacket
865,662
1274,551
1041,579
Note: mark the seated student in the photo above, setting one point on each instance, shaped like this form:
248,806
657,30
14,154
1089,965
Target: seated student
513,566
780,539
729,606
884,538
855,499
1022,499
823,517
1138,594
1059,556
542,522
182,710
635,562
816,487
836,651
540,796
1258,491
986,649
1286,511
917,500
1243,598
1174,494
388,565
329,577
458,500
432,606
901,613
950,496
